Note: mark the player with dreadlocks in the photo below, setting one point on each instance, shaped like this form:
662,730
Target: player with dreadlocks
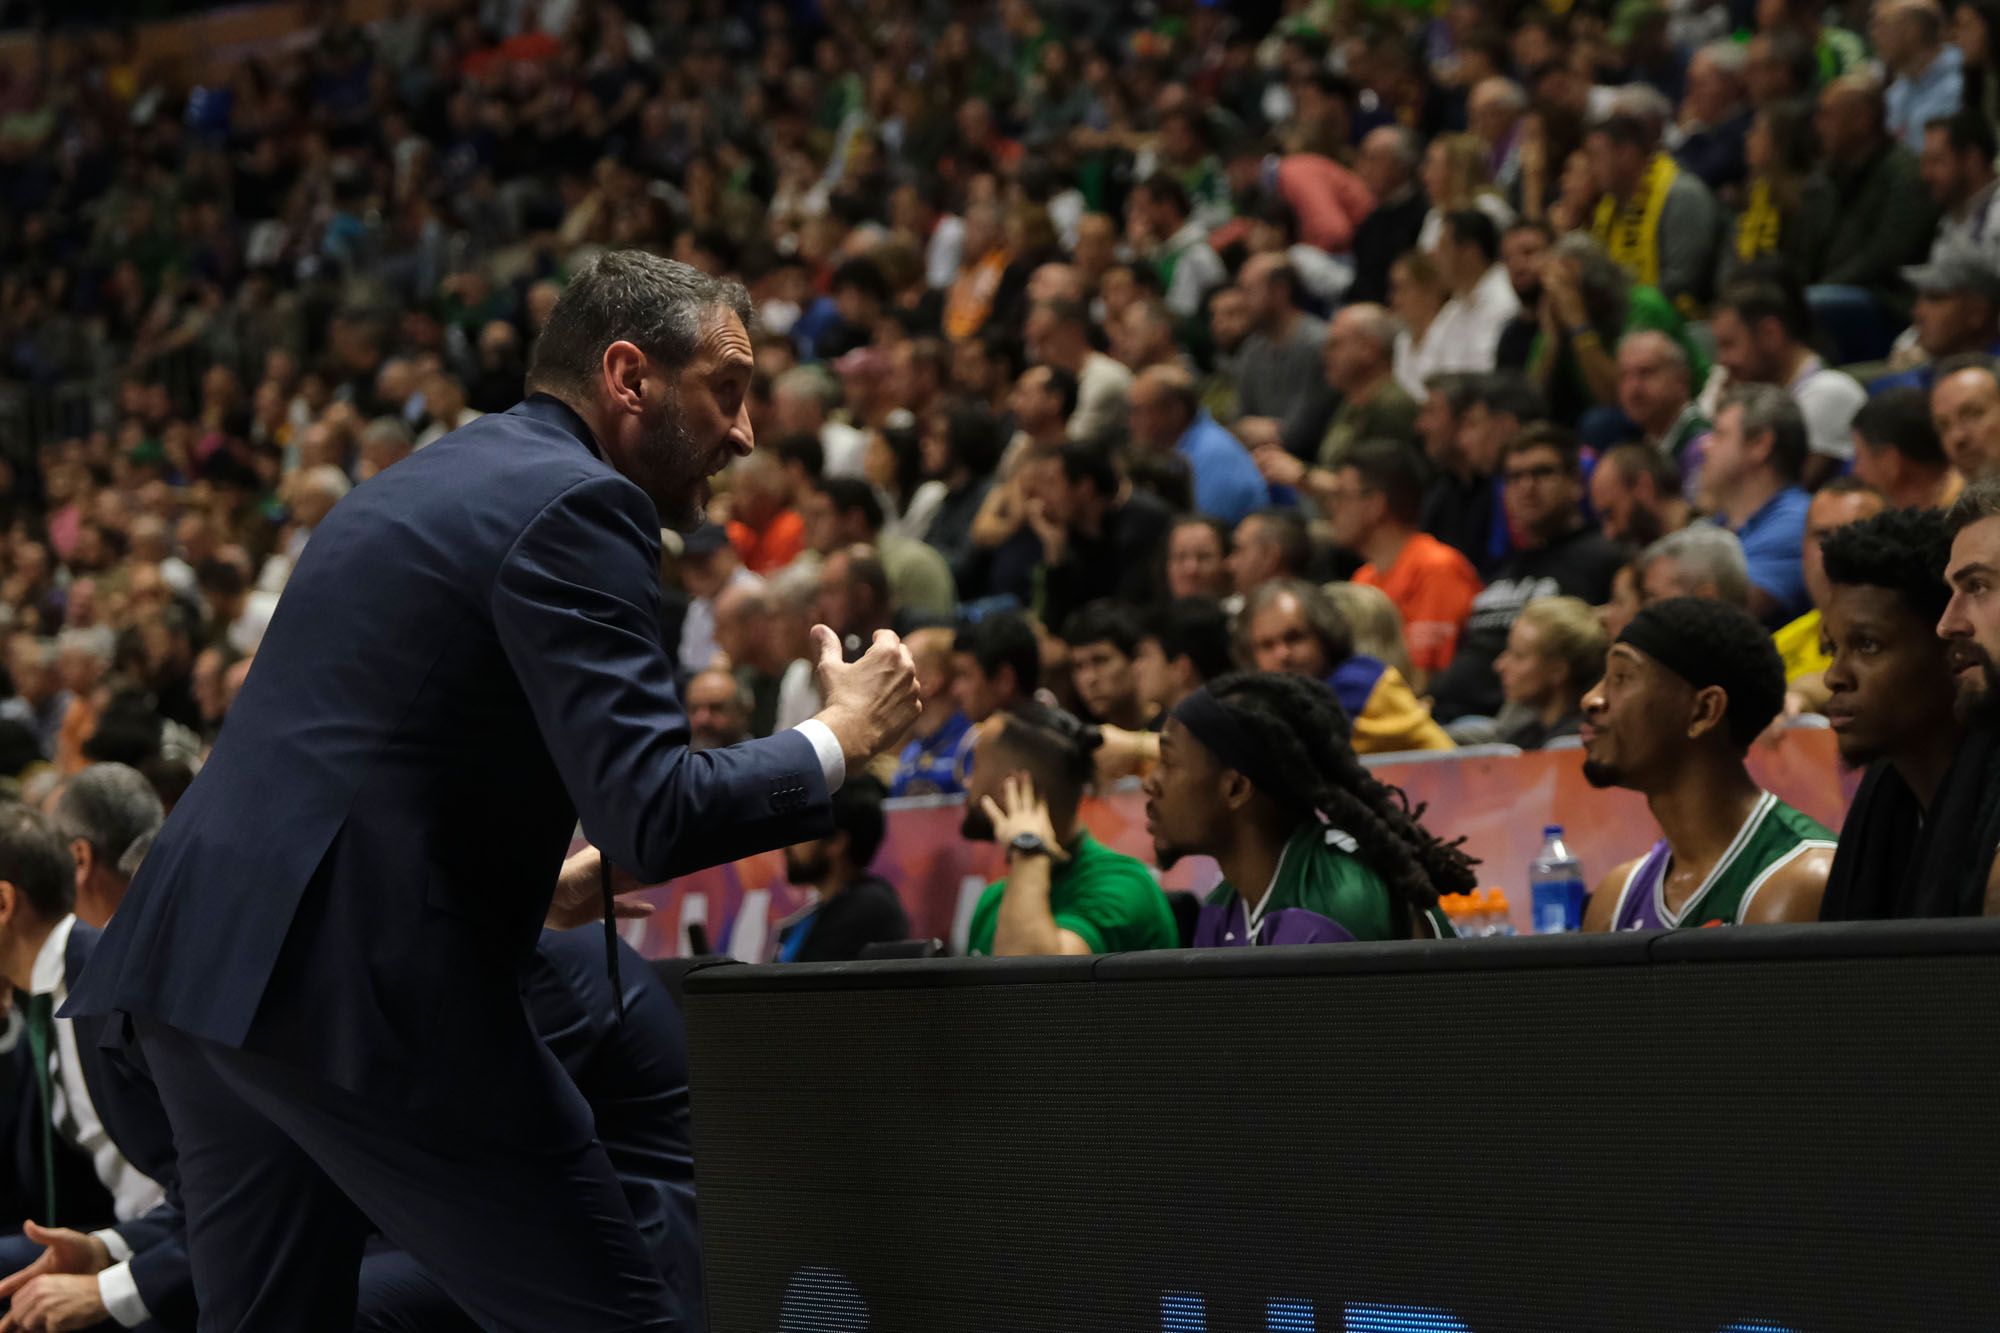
1257,771
1890,696
1687,687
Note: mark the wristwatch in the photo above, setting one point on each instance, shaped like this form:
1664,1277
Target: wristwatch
1027,844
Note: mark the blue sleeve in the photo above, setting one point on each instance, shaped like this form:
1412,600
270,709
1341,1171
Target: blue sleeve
1772,553
576,608
1231,488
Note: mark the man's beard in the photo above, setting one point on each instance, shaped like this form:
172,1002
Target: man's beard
1978,707
1599,774
668,469
975,827
805,872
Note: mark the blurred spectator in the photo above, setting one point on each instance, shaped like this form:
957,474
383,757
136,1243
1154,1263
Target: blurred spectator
1555,651
1103,639
1760,338
709,566
1926,83
1636,493
1881,219
1957,311
1065,892
1058,335
718,707
1965,404
1289,626
1269,545
1785,192
933,761
1374,623
1079,534
1387,162
1656,221
1897,451
1198,558
996,665
804,399
1656,391
1182,646
1483,302
1167,415
854,599
1372,508
764,526
1708,138
1417,293
102,811
1359,360
959,463
1750,482
1460,510
1161,228
1559,555
1958,169
852,908
1282,358
1700,561
846,512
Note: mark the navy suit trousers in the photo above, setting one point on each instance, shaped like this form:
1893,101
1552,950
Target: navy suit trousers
282,1174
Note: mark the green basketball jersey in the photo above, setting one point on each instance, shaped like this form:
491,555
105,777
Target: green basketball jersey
1771,838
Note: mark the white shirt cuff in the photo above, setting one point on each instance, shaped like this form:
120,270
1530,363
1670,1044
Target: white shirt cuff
114,1244
120,1294
832,759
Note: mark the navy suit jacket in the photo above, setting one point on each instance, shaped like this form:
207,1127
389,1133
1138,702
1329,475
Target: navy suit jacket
465,660
129,1108
634,1074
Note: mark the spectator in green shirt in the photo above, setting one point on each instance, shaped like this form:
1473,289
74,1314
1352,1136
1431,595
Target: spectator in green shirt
1065,892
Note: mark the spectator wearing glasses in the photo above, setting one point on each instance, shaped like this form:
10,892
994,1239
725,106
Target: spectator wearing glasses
1560,555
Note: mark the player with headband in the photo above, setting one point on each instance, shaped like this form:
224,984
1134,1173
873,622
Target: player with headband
1687,687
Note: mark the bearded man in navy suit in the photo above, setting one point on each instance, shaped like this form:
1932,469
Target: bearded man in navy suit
321,958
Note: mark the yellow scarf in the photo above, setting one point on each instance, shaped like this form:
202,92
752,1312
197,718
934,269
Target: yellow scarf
1757,229
1630,232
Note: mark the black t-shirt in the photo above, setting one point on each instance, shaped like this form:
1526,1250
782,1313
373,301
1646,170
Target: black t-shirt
869,912
1460,514
1578,565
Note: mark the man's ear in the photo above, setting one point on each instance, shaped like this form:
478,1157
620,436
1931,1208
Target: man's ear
1236,789
85,856
623,373
1708,711
10,902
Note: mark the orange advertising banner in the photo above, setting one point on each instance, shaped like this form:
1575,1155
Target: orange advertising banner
1499,804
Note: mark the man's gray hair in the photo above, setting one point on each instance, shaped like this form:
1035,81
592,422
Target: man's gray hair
809,382
1979,500
1377,324
135,855
1768,407
1704,553
657,304
1676,354
109,806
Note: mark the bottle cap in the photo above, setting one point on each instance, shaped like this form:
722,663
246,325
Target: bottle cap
1496,899
1552,830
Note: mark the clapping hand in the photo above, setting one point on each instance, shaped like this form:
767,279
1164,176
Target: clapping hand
871,704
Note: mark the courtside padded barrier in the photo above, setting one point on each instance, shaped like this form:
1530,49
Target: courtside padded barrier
1778,1128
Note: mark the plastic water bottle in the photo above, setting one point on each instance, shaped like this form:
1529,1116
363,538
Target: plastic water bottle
1555,880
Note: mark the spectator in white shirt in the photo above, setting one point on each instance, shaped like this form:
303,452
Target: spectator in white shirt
1466,333
1761,329
803,400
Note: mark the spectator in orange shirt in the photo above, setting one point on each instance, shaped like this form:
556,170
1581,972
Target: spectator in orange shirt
764,527
1373,506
